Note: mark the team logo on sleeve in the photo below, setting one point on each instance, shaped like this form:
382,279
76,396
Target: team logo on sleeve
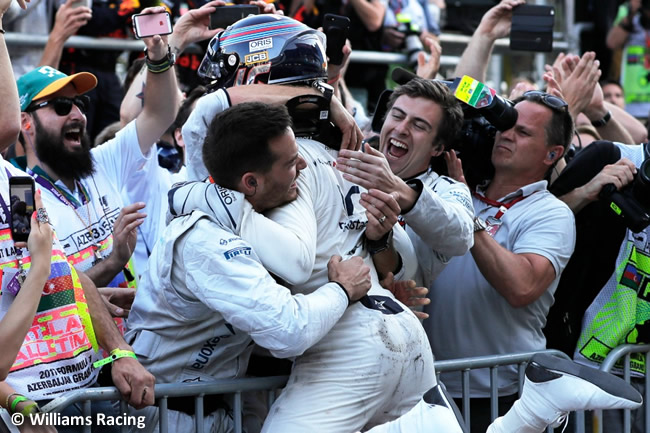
240,251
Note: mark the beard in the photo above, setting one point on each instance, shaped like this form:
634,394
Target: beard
51,150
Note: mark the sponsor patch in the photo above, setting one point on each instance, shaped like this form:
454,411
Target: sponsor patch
240,251
260,44
260,57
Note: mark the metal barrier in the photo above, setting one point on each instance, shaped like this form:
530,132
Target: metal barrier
238,386
612,358
464,366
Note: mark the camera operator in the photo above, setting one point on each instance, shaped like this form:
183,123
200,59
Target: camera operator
609,266
494,300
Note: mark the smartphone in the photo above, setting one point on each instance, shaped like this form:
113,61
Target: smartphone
146,25
21,193
336,28
532,28
78,3
224,16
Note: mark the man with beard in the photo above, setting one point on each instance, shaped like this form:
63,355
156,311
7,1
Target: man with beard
82,186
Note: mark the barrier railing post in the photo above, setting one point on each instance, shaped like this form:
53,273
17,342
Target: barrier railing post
198,410
466,408
87,411
494,393
163,421
237,408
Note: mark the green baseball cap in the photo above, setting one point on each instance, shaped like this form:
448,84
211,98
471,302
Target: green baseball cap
46,80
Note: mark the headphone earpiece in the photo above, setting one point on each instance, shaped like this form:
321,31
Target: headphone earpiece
28,126
551,155
252,182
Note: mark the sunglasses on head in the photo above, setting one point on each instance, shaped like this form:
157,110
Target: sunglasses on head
552,102
62,105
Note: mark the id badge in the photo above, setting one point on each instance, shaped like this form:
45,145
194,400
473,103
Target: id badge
493,225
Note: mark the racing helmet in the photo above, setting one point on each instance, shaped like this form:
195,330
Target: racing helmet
271,49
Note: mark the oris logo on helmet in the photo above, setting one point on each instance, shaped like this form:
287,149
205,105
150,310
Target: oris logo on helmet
256,58
262,44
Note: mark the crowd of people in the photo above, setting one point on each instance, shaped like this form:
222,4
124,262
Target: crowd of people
188,233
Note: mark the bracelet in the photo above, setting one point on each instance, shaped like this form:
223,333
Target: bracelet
115,355
30,408
603,121
162,65
17,400
9,398
629,27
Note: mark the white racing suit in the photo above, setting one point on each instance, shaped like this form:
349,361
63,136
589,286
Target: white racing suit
375,363
205,298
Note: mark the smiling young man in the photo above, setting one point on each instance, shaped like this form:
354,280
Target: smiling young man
422,120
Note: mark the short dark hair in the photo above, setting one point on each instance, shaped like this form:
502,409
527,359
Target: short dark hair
438,92
559,130
238,141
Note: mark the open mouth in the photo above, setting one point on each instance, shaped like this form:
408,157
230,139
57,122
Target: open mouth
73,135
397,149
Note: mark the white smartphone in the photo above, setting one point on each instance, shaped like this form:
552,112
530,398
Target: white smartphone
146,25
78,3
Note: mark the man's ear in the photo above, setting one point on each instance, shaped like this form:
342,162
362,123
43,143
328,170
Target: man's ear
437,149
26,122
554,154
178,135
249,183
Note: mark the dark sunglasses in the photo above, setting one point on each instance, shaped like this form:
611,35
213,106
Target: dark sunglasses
62,105
552,102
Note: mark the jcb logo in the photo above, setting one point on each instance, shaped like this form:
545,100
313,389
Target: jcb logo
256,57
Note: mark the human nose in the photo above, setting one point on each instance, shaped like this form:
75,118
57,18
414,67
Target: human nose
301,163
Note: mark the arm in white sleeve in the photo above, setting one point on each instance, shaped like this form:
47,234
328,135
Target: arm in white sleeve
403,245
443,217
238,287
286,243
196,128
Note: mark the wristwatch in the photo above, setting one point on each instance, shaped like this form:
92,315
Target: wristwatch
324,88
603,121
382,244
479,224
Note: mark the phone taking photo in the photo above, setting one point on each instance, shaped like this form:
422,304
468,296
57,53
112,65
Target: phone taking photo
336,28
147,25
21,194
223,16
532,28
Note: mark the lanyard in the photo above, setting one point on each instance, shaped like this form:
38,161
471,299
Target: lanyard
494,222
62,196
503,207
